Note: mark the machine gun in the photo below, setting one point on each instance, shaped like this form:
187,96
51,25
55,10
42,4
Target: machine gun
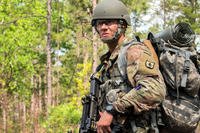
90,112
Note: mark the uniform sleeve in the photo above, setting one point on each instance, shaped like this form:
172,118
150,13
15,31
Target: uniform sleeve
144,75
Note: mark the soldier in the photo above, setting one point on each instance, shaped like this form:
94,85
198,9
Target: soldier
126,101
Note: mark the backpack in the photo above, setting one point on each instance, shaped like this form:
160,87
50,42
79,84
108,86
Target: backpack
180,108
178,64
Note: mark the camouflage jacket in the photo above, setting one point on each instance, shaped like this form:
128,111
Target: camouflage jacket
145,88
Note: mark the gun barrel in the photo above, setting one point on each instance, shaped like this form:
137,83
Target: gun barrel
180,35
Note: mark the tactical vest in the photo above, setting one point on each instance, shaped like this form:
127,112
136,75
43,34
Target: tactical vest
114,79
113,76
113,82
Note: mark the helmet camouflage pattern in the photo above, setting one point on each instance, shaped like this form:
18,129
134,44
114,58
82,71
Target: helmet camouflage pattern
111,9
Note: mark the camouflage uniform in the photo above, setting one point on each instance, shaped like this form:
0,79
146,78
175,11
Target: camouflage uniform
144,90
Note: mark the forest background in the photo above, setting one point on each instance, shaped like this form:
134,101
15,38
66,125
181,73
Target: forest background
48,51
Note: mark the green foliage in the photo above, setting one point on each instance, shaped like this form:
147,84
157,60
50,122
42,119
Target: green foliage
139,6
190,13
80,85
21,32
173,11
62,117
23,57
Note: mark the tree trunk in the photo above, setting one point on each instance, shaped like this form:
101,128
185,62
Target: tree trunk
43,94
4,111
57,88
40,94
53,92
35,112
48,49
95,47
34,106
23,117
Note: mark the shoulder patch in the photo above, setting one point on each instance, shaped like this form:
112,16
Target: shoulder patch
149,64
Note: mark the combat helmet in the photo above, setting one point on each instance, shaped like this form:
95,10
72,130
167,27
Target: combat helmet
111,9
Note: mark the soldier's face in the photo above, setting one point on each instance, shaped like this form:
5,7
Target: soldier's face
106,29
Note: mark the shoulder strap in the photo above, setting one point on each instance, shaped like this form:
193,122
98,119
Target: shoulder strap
151,48
122,55
186,68
121,61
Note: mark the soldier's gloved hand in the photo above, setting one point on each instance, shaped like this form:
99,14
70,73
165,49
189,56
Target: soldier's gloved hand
103,125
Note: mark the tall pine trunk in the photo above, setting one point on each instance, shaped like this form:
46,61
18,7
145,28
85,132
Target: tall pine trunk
22,116
35,105
48,50
5,111
95,47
